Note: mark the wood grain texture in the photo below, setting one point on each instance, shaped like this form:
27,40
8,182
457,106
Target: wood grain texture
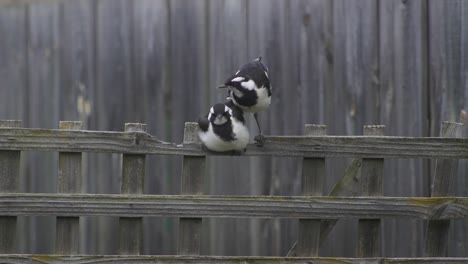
448,54
404,110
369,230
445,172
292,146
160,60
193,171
9,176
313,178
52,259
67,237
233,206
133,175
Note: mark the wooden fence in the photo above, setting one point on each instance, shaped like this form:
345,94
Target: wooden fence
358,194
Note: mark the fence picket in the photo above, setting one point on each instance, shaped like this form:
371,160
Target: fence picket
9,174
445,171
133,174
191,183
67,237
313,176
369,233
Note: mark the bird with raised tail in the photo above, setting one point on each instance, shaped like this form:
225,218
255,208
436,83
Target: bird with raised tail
250,89
223,129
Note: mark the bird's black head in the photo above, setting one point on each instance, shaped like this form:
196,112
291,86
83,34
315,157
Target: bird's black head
219,114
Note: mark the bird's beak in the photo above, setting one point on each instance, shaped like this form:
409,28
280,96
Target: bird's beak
222,86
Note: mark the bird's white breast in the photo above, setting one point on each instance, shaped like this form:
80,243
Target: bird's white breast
215,143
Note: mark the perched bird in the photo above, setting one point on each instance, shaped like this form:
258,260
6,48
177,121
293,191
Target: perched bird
250,89
223,129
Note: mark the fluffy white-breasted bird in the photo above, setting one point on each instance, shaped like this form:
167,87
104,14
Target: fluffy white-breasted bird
250,89
223,129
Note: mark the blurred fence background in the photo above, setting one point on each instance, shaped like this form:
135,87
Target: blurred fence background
343,63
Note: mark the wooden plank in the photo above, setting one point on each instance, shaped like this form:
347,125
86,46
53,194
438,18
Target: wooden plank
9,176
67,237
193,171
445,172
448,53
313,177
151,60
369,233
77,80
133,175
43,87
226,53
404,109
12,54
292,146
53,259
233,206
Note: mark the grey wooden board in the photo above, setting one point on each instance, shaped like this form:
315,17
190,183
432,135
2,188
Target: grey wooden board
448,71
403,91
41,110
166,49
226,53
234,206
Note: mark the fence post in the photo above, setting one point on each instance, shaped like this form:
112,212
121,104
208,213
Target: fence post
133,175
9,174
313,176
193,170
445,171
67,238
369,233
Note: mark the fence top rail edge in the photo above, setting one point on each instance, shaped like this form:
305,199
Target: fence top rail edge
32,139
21,258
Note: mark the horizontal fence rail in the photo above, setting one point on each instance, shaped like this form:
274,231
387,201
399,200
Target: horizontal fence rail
89,259
232,206
293,146
357,194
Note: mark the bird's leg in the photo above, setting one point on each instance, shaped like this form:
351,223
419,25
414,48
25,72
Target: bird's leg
260,139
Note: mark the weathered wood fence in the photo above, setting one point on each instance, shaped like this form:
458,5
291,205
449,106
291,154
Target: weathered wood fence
358,194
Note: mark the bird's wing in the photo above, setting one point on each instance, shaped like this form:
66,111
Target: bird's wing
256,71
204,123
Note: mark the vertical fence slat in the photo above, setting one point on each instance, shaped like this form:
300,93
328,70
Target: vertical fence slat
191,183
445,171
313,176
369,233
9,174
67,238
133,174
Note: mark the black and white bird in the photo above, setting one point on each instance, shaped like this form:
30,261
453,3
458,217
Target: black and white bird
250,89
223,129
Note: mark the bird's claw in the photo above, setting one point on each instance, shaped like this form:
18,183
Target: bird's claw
259,140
